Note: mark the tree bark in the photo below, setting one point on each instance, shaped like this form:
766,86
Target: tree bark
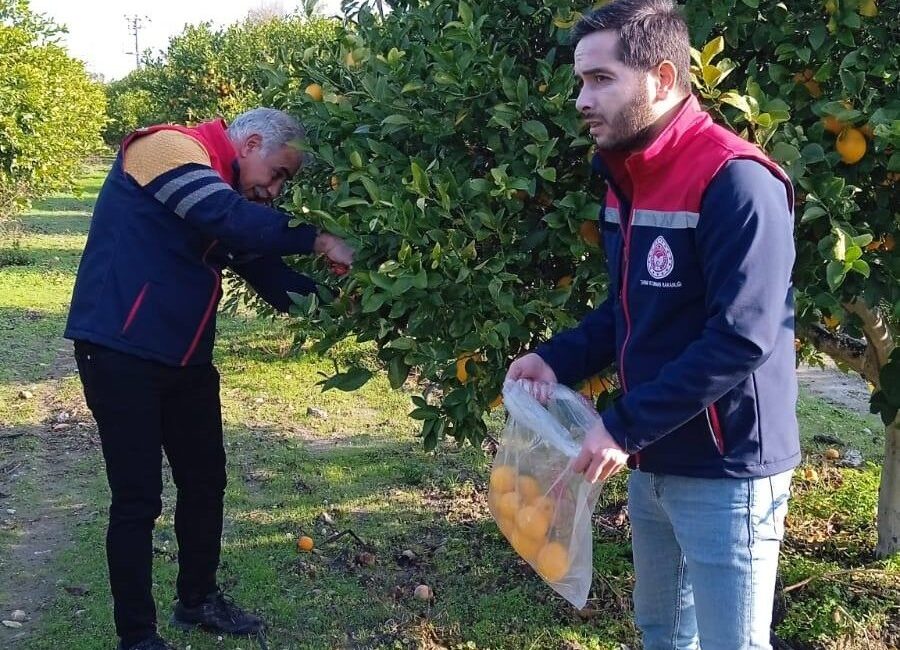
889,494
867,358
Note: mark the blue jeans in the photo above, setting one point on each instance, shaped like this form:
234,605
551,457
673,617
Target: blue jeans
705,558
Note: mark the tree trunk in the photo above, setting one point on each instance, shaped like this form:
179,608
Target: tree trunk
889,494
868,359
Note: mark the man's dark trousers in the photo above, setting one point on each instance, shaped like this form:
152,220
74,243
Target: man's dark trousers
142,408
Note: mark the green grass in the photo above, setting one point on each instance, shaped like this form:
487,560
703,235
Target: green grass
863,432
364,466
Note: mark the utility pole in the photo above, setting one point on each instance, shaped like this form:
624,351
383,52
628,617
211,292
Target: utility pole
135,24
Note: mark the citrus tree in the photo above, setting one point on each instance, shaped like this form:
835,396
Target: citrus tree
450,153
207,72
52,111
818,85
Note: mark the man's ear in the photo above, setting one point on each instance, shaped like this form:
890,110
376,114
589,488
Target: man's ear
666,80
251,144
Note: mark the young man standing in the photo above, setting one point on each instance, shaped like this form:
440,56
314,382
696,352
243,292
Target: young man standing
698,231
179,205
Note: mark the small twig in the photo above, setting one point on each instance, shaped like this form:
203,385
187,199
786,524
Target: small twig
349,532
831,574
603,523
10,467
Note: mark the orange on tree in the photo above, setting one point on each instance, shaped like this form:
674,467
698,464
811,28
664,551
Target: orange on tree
595,386
497,401
305,544
553,562
832,124
590,233
851,144
564,281
889,243
314,91
462,374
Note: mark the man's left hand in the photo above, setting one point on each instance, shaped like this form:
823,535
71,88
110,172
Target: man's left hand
600,455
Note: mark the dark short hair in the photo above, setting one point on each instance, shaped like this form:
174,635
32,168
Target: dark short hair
649,31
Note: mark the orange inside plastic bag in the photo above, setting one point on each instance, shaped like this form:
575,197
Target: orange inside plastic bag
541,506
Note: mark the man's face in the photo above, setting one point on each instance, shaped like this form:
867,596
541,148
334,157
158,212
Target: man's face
615,99
263,174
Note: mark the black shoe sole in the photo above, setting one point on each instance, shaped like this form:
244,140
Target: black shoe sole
188,627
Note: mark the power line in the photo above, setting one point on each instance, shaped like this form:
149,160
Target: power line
135,24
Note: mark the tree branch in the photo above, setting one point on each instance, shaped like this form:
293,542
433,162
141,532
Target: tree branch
840,347
878,335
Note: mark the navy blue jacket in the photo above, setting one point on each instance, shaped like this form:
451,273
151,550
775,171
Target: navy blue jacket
149,281
700,315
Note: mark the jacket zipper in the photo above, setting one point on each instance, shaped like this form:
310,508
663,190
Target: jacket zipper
623,285
210,308
715,426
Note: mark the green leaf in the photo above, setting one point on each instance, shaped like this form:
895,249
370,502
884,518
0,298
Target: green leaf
431,436
548,173
738,101
420,179
813,153
351,202
423,412
396,119
889,378
812,213
536,130
893,164
817,36
753,4
861,267
412,86
715,47
349,381
835,273
863,240
841,240
785,152
465,13
880,404
373,302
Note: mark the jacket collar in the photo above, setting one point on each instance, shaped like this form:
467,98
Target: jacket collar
220,148
689,120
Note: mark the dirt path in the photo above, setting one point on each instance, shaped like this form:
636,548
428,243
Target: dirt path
44,481
845,389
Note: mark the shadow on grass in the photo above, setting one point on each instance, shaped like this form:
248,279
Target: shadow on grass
394,498
29,340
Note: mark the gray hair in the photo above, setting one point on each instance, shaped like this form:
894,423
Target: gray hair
276,128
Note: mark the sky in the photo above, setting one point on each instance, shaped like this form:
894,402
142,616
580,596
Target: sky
99,33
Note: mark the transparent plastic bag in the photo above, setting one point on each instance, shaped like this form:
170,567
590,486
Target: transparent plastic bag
540,505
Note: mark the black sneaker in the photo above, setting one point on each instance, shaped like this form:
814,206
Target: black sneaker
217,614
154,642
